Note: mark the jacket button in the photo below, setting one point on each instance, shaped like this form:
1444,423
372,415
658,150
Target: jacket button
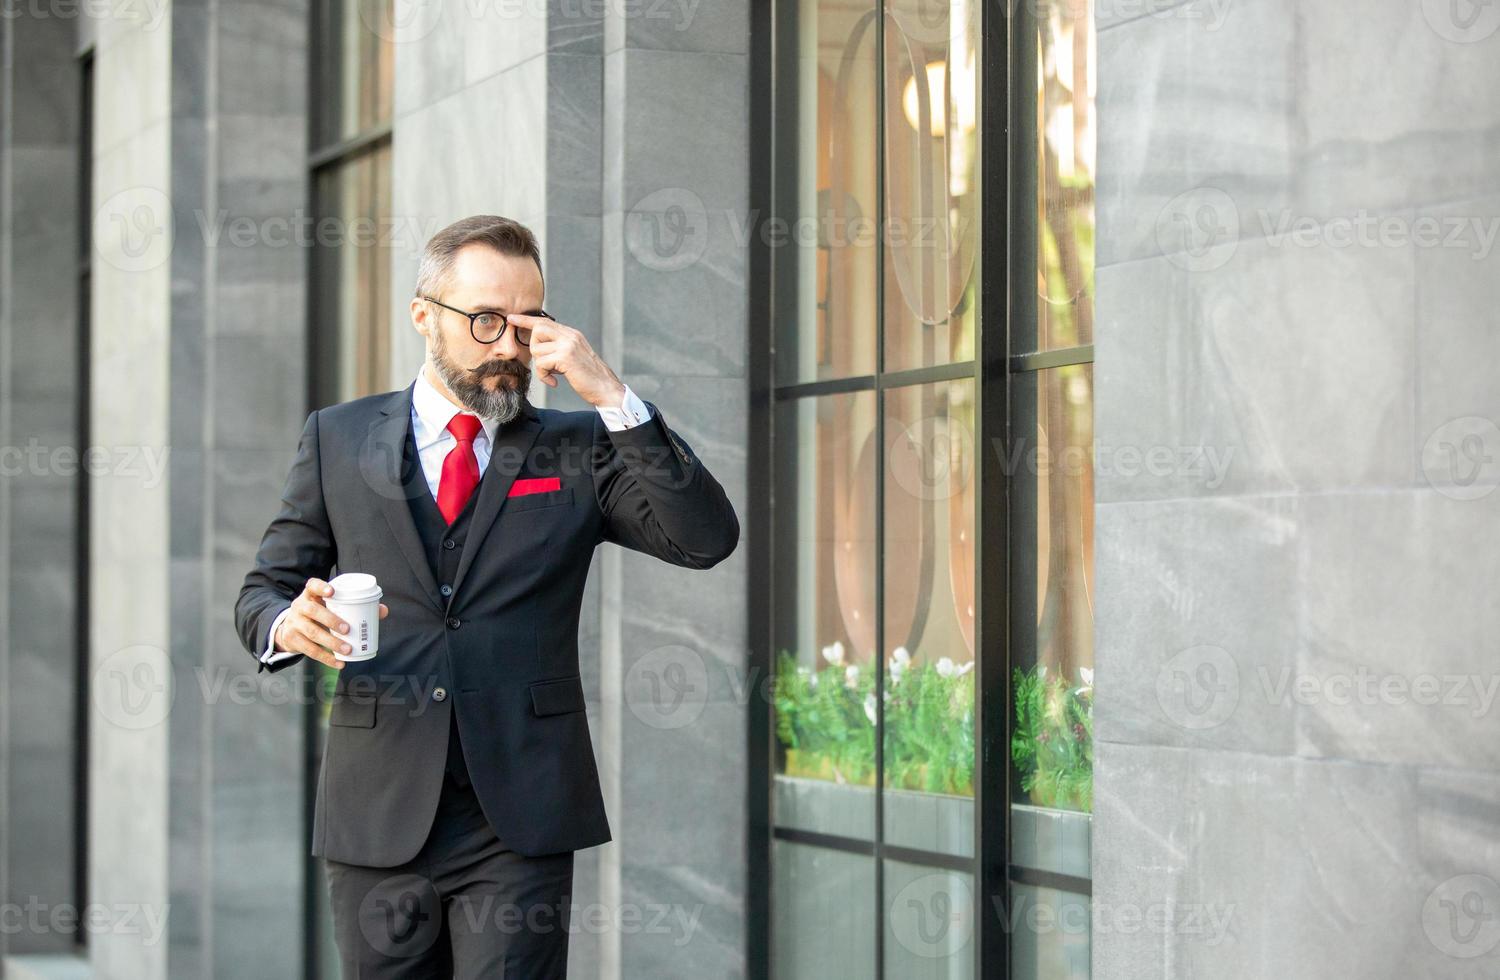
453,622
440,694
446,589
448,543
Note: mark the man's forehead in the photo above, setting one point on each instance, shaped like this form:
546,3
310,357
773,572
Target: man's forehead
484,278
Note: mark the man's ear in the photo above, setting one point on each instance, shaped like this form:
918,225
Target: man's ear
421,316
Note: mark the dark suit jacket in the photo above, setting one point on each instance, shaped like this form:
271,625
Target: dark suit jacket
502,649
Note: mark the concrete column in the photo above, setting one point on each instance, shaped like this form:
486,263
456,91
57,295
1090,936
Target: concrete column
675,690
1296,295
196,800
39,115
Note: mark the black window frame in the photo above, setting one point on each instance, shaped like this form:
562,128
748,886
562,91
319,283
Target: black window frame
1005,370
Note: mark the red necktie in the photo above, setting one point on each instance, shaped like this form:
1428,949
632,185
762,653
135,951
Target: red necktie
460,467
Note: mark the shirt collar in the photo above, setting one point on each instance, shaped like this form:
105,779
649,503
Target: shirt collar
436,411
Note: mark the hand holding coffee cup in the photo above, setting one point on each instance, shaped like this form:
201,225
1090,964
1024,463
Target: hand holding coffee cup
325,632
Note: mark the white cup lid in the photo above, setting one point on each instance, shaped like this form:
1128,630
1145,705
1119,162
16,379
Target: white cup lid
353,584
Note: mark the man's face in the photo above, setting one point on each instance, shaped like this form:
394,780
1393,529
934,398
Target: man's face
490,380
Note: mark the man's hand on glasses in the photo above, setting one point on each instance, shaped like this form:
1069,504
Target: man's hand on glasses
557,348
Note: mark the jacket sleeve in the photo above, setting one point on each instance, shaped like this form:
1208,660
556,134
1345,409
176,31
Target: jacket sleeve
659,498
298,545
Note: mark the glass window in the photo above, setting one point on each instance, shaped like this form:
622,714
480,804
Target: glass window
873,533
351,76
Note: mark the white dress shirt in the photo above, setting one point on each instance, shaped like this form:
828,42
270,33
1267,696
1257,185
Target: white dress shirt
431,412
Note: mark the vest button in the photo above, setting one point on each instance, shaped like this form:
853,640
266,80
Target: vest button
448,543
440,694
453,622
446,589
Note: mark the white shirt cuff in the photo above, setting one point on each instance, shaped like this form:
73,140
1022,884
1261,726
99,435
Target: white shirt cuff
632,412
271,655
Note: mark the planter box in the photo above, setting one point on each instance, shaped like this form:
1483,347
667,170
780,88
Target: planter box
1059,841
929,821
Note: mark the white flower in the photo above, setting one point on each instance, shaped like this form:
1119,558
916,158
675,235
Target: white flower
1088,676
834,653
898,667
812,680
900,656
851,675
870,707
966,668
945,667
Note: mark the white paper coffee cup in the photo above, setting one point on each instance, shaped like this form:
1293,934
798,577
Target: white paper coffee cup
356,600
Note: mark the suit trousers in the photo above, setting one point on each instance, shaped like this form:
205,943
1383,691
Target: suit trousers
465,907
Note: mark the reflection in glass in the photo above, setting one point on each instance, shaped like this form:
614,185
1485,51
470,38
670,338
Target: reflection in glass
825,629
354,251
1053,942
1066,140
931,226
929,923
824,913
929,595
1053,743
828,332
356,61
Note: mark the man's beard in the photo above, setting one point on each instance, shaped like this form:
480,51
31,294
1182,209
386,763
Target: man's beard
501,403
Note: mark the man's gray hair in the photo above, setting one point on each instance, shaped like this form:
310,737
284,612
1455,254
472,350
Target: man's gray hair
502,234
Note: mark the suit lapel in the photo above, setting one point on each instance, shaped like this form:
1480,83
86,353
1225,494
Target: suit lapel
381,465
513,441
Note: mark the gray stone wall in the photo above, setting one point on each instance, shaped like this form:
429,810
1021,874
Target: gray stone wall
38,430
604,125
196,802
1296,291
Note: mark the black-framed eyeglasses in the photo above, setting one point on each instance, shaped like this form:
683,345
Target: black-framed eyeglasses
488,326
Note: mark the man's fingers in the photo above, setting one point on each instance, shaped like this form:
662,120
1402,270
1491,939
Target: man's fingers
316,588
312,639
318,613
384,612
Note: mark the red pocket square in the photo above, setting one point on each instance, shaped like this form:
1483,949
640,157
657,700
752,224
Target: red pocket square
540,484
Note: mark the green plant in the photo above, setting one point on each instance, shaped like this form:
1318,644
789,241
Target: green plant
1053,742
825,720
